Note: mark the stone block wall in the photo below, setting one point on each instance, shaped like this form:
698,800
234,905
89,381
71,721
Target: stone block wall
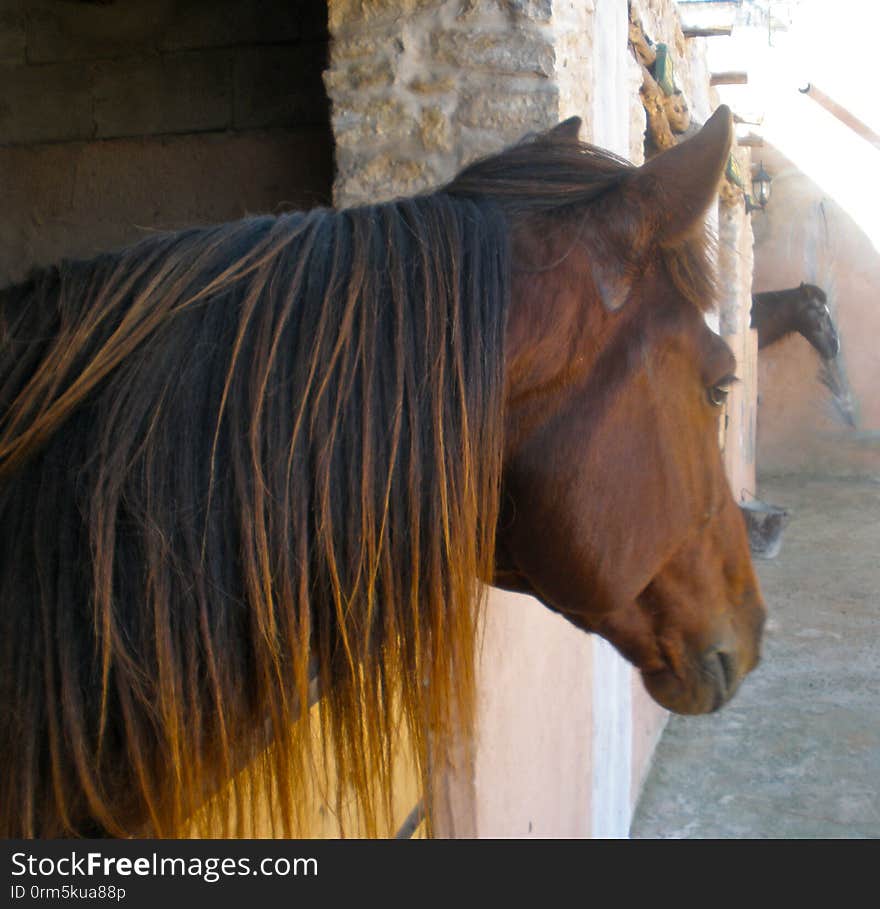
115,117
421,87
85,71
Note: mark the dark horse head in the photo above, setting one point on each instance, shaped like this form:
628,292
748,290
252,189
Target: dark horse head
802,310
244,461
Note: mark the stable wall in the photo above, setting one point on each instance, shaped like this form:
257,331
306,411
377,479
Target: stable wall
117,119
804,235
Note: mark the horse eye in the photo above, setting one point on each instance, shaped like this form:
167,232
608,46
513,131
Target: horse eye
717,395
718,392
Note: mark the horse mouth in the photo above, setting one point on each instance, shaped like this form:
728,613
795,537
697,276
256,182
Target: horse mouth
711,682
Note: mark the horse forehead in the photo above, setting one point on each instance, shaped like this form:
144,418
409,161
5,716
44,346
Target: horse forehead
819,307
670,339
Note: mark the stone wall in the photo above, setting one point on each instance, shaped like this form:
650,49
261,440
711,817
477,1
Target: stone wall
421,87
116,117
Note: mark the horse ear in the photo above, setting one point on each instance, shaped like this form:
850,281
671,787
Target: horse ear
669,195
680,184
665,199
566,131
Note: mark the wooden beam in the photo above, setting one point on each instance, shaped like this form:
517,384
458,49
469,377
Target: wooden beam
751,141
714,31
838,110
730,78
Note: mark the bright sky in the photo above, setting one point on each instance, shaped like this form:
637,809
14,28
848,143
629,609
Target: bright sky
835,45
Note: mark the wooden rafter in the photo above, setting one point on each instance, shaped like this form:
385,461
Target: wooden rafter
729,78
711,31
841,113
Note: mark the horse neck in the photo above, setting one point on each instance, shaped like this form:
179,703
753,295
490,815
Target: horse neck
778,314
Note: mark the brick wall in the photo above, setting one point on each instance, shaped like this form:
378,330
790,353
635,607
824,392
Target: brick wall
120,116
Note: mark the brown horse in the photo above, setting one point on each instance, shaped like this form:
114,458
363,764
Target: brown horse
799,310
239,459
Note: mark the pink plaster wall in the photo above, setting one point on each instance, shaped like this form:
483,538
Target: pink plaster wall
805,236
533,769
739,443
735,264
648,722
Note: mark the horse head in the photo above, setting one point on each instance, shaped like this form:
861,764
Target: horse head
815,322
616,511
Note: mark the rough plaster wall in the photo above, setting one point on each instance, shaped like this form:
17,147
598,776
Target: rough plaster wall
613,716
803,235
122,118
576,71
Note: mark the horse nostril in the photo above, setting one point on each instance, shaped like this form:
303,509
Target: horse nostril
728,668
721,667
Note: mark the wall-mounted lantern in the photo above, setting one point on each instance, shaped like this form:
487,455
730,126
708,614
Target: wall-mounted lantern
760,190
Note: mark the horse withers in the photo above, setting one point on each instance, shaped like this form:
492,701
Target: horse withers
244,461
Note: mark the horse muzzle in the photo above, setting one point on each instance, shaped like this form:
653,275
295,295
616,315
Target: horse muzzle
709,679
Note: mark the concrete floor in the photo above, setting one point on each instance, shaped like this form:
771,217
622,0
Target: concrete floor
796,754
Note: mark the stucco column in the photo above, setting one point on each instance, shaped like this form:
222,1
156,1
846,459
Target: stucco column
611,755
735,265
